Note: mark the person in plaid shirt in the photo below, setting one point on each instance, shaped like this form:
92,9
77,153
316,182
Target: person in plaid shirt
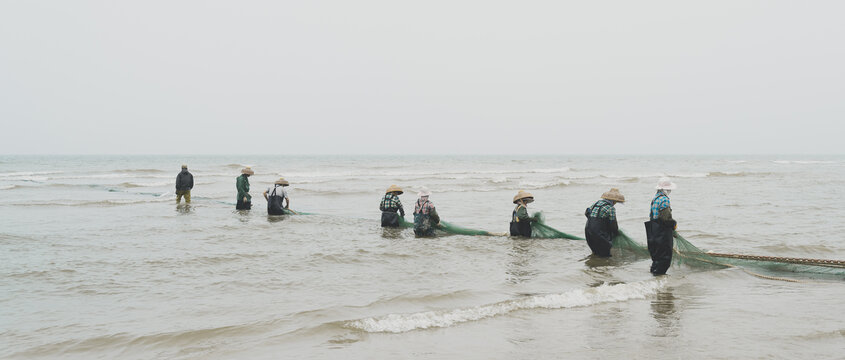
660,228
390,204
601,225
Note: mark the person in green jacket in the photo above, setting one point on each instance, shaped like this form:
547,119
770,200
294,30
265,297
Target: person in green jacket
242,184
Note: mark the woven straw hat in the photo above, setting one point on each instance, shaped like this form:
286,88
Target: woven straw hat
282,182
248,171
665,184
613,195
424,192
394,188
522,194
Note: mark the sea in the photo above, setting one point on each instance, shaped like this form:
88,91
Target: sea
98,261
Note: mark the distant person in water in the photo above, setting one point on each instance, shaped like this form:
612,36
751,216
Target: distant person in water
184,184
602,226
660,228
242,184
275,196
520,220
390,204
425,215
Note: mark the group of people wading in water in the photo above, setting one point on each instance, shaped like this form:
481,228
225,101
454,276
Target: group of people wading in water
599,231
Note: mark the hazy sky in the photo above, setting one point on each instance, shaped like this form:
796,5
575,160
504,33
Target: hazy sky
371,77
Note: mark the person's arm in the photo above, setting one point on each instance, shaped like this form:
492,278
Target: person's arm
265,195
665,214
434,216
191,181
401,209
522,214
287,201
381,205
177,181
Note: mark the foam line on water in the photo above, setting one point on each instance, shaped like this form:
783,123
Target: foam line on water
398,323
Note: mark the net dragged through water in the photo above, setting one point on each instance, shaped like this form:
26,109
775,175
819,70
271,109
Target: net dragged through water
539,229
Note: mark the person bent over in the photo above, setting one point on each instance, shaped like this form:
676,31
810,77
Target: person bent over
277,198
602,226
520,220
390,205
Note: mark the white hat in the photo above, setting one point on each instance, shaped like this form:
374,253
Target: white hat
665,184
424,192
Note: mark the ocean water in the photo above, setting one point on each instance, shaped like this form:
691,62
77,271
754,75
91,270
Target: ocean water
98,261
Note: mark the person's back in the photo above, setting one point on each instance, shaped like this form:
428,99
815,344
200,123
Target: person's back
184,184
601,225
276,197
390,205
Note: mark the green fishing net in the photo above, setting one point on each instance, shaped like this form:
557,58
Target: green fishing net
689,254
624,244
449,228
539,229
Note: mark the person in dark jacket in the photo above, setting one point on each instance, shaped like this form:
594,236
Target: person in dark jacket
520,220
660,228
602,226
242,184
425,215
390,204
184,184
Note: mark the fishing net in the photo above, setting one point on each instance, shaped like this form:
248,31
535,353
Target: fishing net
539,229
624,244
449,228
691,255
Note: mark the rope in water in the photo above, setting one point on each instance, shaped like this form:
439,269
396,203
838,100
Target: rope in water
804,261
768,277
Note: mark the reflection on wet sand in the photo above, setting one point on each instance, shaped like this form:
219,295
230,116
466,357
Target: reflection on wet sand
520,267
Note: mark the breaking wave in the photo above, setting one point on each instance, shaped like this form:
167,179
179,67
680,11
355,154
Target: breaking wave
803,162
398,323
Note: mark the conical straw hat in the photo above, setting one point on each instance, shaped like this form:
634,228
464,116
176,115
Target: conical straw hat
613,195
247,170
394,188
282,182
522,194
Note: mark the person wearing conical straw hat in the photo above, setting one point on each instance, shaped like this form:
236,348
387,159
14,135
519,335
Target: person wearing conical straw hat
601,225
390,204
276,196
242,184
660,228
184,184
520,220
425,215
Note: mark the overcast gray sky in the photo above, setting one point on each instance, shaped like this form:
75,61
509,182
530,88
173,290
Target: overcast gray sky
425,77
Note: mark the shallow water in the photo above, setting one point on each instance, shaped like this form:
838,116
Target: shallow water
99,262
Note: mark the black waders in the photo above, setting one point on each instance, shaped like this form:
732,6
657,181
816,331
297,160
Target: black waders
660,239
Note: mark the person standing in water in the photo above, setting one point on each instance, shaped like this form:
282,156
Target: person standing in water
184,184
660,227
242,184
425,215
520,221
601,225
390,204
276,196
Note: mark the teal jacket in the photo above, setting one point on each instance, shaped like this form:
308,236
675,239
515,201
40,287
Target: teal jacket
243,188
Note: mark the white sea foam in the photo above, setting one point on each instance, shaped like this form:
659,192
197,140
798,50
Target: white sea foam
28,173
7,187
397,323
802,162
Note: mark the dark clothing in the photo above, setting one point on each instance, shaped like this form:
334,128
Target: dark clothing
660,239
601,227
520,222
241,205
184,181
389,219
389,205
242,184
275,201
425,218
659,232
